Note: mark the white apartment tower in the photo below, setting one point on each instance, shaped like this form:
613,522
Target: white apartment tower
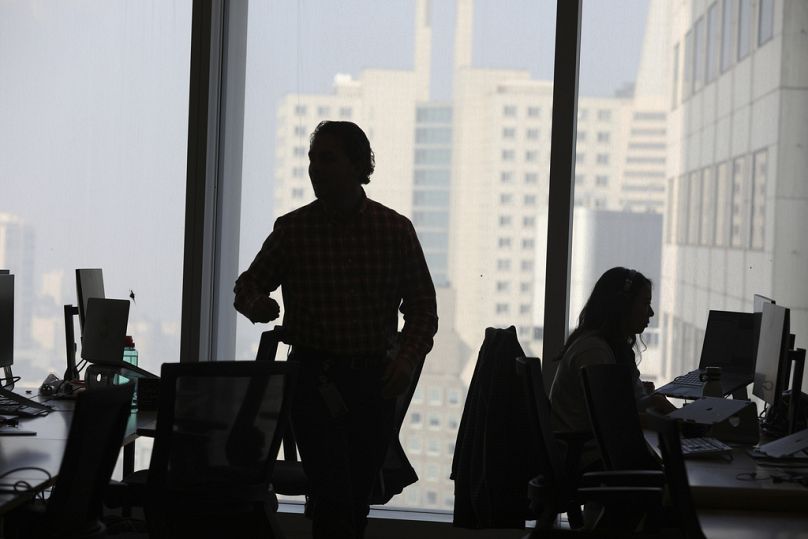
737,201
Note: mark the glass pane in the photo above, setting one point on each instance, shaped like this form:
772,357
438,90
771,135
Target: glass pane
731,182
94,108
458,112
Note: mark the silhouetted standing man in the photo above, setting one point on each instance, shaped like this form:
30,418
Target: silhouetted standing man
346,265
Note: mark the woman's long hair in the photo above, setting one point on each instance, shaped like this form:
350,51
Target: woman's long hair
607,307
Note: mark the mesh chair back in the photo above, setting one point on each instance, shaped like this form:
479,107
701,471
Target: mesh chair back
93,443
219,427
609,392
670,444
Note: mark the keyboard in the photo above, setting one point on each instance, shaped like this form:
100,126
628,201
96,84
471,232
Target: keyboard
13,404
694,447
689,379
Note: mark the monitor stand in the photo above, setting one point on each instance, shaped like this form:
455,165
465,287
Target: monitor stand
72,372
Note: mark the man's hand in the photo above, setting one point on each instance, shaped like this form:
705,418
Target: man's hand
261,309
396,378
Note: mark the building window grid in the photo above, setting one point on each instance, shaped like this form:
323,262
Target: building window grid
708,212
694,209
722,202
712,42
758,202
698,54
744,28
727,35
738,206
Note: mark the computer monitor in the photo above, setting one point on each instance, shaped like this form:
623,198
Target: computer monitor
771,370
6,319
89,284
758,301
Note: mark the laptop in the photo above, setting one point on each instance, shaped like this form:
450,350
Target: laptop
729,344
104,333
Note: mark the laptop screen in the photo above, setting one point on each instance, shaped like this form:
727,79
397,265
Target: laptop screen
729,342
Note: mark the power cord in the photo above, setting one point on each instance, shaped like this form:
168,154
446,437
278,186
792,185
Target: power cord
21,485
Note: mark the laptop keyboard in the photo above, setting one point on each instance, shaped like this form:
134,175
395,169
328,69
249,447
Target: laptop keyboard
689,379
14,404
692,447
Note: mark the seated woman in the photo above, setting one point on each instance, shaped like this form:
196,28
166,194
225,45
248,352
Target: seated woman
616,313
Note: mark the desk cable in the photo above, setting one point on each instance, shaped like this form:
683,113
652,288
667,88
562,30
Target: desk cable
21,485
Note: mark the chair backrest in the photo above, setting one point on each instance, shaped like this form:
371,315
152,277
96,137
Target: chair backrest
682,504
93,444
609,393
219,428
268,345
550,459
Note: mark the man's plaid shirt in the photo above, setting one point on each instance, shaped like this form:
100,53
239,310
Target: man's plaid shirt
343,282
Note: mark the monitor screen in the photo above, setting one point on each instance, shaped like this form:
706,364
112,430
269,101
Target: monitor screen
89,284
728,340
6,320
105,331
772,345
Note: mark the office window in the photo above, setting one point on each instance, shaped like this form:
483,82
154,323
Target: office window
722,204
525,287
603,136
744,28
508,132
529,221
530,200
687,72
601,180
415,418
453,398
505,220
323,111
435,395
533,112
415,444
528,243
675,79
506,176
434,421
300,151
300,110
758,220
694,209
509,111
527,265
602,159
727,34
300,131
508,155
431,198
502,308
698,54
712,42
503,242
531,177
299,172
94,131
505,198
765,21
604,115
708,211
682,206
532,134
432,472
738,206
297,192
345,113
503,286
503,264
531,156
581,136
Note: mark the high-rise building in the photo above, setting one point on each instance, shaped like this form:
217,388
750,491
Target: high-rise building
736,205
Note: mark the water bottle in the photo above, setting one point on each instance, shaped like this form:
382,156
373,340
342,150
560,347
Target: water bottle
130,356
711,378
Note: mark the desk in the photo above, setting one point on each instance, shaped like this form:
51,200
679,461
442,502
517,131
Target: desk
45,450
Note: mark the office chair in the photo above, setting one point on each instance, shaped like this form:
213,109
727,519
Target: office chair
93,444
219,429
556,490
609,393
288,477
